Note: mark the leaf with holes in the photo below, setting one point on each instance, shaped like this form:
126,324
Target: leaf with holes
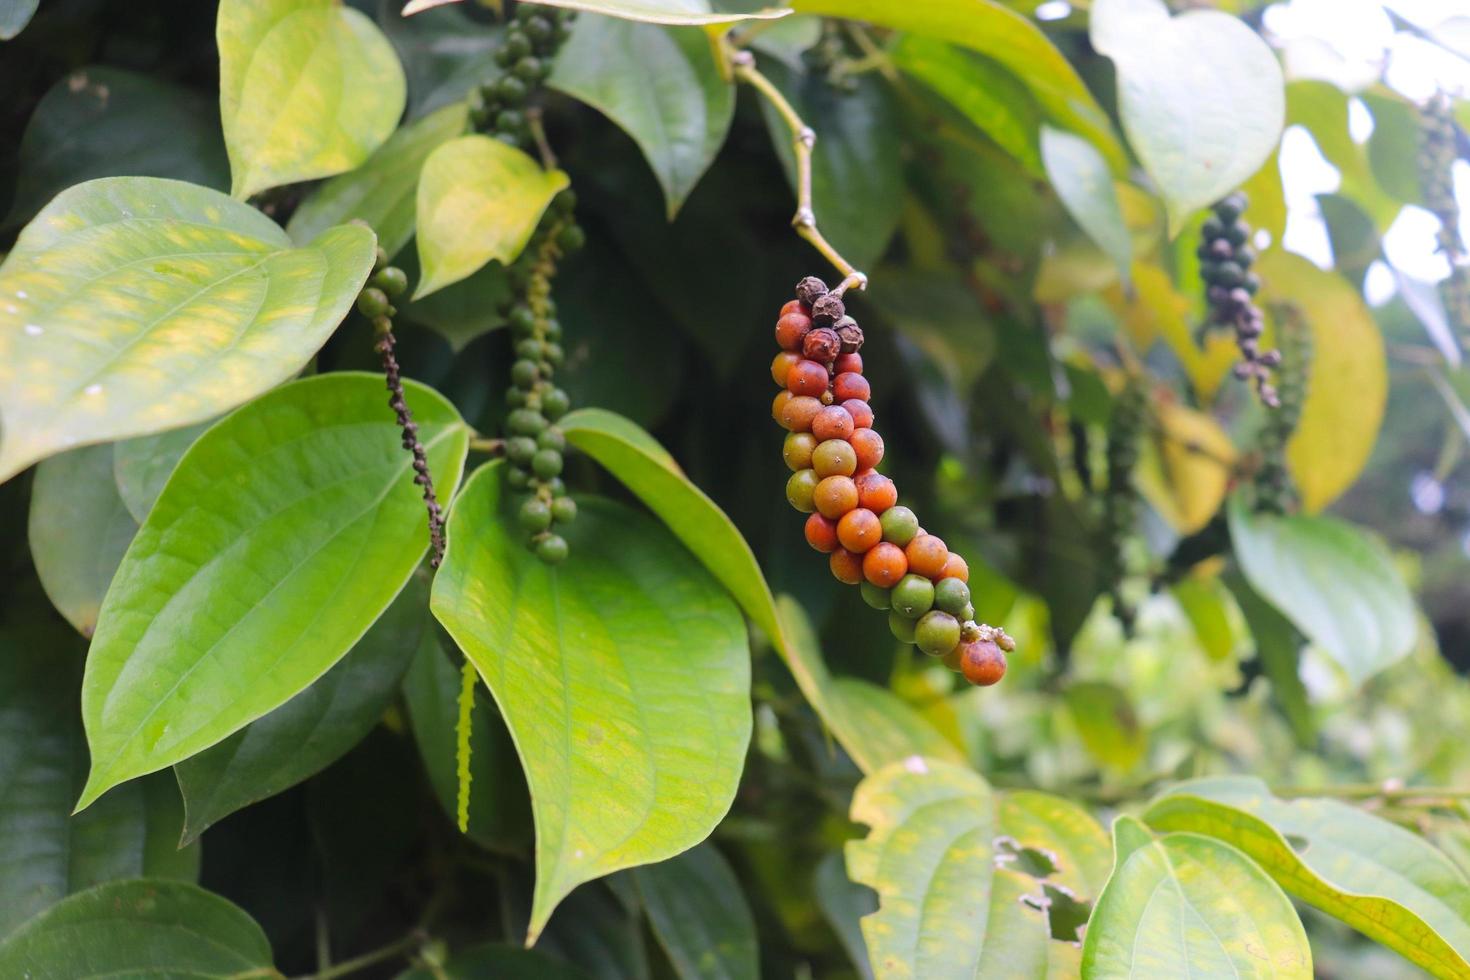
132,305
623,676
1387,882
1201,96
307,88
1186,905
284,533
478,199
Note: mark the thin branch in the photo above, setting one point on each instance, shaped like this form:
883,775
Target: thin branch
803,139
395,949
538,133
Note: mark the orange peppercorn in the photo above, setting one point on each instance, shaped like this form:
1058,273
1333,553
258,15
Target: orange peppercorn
849,385
846,567
806,378
862,415
779,404
982,662
884,564
876,492
781,366
927,555
835,496
848,363
798,411
791,329
954,567
859,530
869,446
835,422
821,533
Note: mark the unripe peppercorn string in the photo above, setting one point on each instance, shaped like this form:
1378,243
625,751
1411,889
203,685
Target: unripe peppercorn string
853,512
1225,258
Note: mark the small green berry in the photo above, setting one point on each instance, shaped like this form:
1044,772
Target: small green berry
546,463
518,479
801,488
552,330
510,121
391,280
564,509
523,374
555,354
538,29
531,349
511,90
565,201
937,633
555,403
516,46
874,595
515,398
902,629
520,449
900,525
530,69
535,515
373,302
525,422
522,320
552,438
951,595
552,549
571,238
913,596
967,614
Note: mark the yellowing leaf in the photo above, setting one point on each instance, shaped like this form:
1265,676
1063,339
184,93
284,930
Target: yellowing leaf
308,88
478,200
1348,383
1187,471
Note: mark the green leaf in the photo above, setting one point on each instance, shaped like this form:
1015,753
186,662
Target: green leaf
843,904
500,812
499,961
623,676
1005,36
1278,646
1389,884
313,729
1186,905
1201,97
139,928
78,531
873,726
141,466
662,85
857,176
478,199
381,191
15,15
992,98
955,898
699,915
1333,581
308,88
45,852
1107,723
445,52
108,122
687,12
1081,178
131,305
286,530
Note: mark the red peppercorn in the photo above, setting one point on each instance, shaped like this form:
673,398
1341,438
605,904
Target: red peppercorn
848,385
795,306
927,556
821,533
806,378
781,366
869,446
859,530
875,491
834,422
798,411
835,496
791,329
954,567
848,364
822,345
846,567
862,415
884,564
981,662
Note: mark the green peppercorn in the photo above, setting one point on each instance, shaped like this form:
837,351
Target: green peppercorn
951,595
555,403
552,330
523,374
535,515
373,302
530,349
515,398
520,449
555,485
564,509
511,90
391,280
546,463
571,238
522,320
552,549
518,479
510,121
967,614
552,438
900,525
525,422
913,596
530,69
565,201
554,354
800,489
937,633
538,29
902,629
509,139
874,595
516,46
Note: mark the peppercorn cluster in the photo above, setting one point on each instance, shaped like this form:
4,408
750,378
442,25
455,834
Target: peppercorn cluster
872,541
1225,259
1275,491
1438,150
533,444
375,302
1120,498
531,42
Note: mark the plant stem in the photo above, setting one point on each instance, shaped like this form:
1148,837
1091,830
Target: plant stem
803,139
487,445
538,134
371,958
385,347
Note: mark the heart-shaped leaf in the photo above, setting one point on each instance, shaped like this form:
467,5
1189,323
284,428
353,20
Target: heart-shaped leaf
1386,882
313,729
1334,582
1006,37
131,305
383,190
286,530
478,199
308,88
1347,385
139,928
965,880
1185,905
45,852
1082,180
622,674
141,466
1201,96
107,122
662,85
699,915
688,12
78,530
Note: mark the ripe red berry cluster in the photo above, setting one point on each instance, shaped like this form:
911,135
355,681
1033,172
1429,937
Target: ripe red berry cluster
872,542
